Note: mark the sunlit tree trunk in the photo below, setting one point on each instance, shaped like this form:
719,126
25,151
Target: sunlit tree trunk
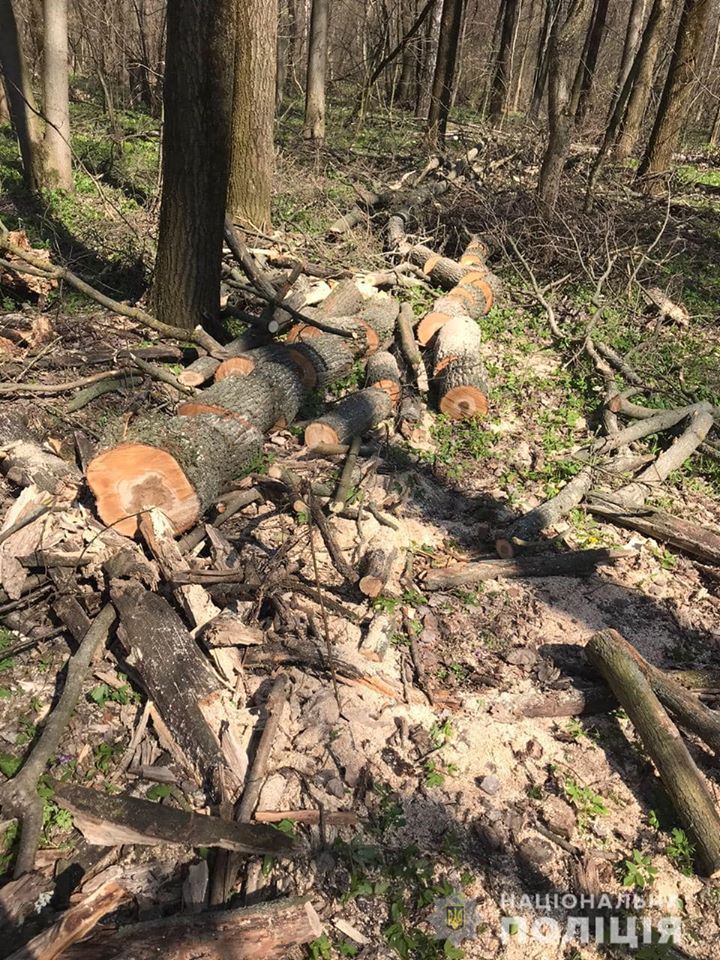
585,76
56,147
4,105
633,34
314,128
196,154
442,88
20,96
641,78
501,77
563,42
543,58
253,112
678,90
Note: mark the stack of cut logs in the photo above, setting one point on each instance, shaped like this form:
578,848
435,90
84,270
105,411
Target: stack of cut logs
182,465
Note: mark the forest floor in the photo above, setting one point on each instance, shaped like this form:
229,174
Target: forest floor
463,794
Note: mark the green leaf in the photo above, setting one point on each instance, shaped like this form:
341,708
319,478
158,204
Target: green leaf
9,765
159,791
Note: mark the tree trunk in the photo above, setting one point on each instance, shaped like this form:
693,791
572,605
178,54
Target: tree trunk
253,113
441,94
197,98
501,76
281,57
543,56
641,78
426,63
585,76
20,96
58,157
314,128
632,41
560,117
4,105
678,89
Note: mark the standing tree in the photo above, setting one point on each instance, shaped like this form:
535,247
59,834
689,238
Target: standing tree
678,90
57,159
253,113
196,155
442,87
4,106
23,112
314,128
500,88
636,19
564,40
585,76
635,95
543,57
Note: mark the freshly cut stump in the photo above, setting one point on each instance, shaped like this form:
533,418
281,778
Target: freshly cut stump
355,415
382,371
179,465
458,371
268,397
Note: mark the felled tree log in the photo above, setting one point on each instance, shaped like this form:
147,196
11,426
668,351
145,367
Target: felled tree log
576,563
177,677
458,372
382,371
471,297
114,820
269,397
267,931
688,791
544,515
74,924
24,462
375,569
180,465
372,327
444,271
666,308
243,363
691,538
199,371
353,416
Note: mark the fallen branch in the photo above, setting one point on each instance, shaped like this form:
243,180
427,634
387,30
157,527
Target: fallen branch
689,793
19,797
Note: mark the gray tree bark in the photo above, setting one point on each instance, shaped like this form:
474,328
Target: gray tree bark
20,96
57,153
314,128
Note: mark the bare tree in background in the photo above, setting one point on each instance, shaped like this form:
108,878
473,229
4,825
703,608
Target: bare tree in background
314,128
564,41
633,33
550,14
500,88
20,96
253,113
585,76
57,159
677,92
441,94
196,158
4,105
638,86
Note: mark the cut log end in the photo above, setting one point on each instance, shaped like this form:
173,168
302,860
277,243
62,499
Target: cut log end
429,326
371,586
504,548
463,402
132,477
391,388
317,433
235,367
191,378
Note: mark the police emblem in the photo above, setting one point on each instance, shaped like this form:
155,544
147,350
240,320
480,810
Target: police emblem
453,918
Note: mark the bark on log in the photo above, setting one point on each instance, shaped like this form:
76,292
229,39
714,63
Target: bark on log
458,372
687,789
375,568
175,674
74,924
691,538
180,465
353,416
576,563
472,296
199,372
382,371
114,820
267,931
545,515
268,398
